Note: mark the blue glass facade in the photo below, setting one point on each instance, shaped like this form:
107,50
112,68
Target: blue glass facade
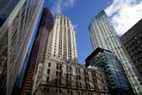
117,81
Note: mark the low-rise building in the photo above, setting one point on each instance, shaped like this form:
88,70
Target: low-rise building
59,78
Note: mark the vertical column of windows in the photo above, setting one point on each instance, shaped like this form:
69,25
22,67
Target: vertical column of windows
65,42
75,50
60,38
101,33
92,36
71,42
55,37
67,47
56,41
95,34
101,43
49,46
52,38
106,35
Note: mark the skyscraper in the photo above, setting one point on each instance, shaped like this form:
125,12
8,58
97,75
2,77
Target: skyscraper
102,34
16,39
37,53
62,41
132,41
59,73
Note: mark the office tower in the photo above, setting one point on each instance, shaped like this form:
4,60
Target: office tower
118,83
62,41
132,41
58,73
37,53
16,39
103,35
61,45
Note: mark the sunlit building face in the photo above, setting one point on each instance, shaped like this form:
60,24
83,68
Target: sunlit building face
103,35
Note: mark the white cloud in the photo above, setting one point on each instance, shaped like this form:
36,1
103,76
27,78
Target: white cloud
65,5
124,14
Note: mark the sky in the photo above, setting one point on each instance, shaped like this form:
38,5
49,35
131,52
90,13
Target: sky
123,14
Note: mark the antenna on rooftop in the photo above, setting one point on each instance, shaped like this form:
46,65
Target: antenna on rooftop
59,7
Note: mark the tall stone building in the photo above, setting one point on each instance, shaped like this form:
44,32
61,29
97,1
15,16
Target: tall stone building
37,53
62,41
118,83
59,73
16,39
103,35
132,41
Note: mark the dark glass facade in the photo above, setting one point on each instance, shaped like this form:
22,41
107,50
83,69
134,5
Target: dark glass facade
6,6
38,51
132,41
117,82
17,35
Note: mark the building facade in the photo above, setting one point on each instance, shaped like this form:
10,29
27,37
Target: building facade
60,78
16,39
59,73
62,41
132,41
102,34
118,83
38,51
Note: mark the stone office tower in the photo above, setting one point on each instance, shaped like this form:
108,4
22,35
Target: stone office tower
103,35
17,35
62,41
59,73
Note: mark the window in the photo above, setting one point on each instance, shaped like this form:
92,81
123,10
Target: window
71,92
56,73
48,89
49,64
59,66
60,91
47,79
48,71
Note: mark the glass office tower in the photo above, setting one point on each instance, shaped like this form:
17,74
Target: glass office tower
118,83
103,35
38,51
16,39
